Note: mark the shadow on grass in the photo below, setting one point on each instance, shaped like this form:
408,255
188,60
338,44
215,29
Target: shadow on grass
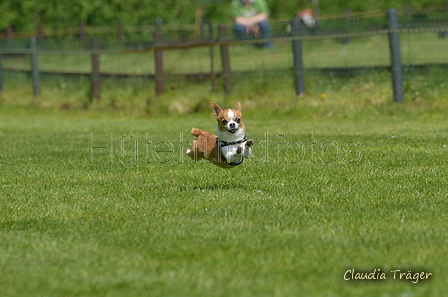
213,187
23,225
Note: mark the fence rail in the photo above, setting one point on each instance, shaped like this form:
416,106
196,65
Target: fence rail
205,42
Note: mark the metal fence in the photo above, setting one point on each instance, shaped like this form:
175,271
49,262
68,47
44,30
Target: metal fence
342,45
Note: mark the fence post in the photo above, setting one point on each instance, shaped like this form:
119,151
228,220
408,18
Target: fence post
225,60
35,66
9,37
299,72
158,54
348,18
1,74
394,44
443,34
41,33
95,69
120,32
212,58
82,33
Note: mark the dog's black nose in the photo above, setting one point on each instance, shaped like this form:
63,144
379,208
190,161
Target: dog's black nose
232,125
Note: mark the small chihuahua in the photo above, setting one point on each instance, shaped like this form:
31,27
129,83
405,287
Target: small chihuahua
230,146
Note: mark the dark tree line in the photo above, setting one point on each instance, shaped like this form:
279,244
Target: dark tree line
26,15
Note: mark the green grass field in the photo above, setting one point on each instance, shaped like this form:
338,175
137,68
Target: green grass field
103,202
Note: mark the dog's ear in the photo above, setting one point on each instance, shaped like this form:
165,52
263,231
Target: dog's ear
238,107
216,109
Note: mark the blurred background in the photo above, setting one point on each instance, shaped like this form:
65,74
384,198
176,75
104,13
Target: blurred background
95,47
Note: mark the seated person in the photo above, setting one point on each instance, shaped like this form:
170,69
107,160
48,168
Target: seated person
251,19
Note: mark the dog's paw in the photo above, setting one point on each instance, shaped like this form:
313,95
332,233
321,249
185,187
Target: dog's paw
249,143
239,150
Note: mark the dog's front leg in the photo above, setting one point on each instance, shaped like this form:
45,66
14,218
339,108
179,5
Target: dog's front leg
248,148
232,153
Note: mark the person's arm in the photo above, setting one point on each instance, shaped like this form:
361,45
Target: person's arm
257,19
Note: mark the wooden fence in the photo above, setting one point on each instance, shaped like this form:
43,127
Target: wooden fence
160,44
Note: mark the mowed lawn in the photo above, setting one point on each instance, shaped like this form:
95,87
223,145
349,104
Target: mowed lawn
102,205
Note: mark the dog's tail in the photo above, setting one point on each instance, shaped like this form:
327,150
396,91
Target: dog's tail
196,132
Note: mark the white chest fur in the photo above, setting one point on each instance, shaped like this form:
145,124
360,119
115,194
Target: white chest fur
231,154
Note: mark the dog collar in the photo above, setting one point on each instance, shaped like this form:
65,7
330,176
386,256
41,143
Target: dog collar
223,143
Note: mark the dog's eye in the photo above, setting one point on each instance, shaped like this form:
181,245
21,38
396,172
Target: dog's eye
238,120
224,122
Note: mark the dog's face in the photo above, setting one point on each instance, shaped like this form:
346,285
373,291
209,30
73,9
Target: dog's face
230,121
